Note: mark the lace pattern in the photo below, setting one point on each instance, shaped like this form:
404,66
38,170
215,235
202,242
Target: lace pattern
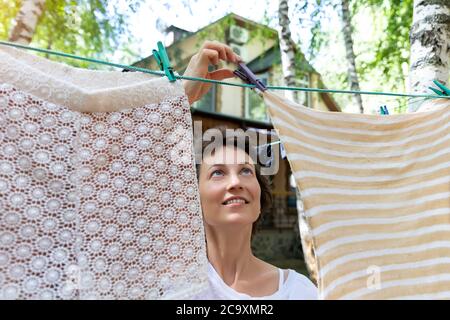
80,89
100,205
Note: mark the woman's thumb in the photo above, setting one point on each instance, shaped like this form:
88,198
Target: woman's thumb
221,74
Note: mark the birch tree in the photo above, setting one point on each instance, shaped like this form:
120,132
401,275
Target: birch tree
350,54
287,47
430,46
26,21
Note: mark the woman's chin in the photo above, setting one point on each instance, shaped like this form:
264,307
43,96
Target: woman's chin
240,218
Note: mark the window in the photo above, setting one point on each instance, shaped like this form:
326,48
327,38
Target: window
255,108
304,98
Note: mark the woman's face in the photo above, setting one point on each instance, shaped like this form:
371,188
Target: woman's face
229,191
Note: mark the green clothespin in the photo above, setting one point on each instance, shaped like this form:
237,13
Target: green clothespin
163,61
445,91
384,110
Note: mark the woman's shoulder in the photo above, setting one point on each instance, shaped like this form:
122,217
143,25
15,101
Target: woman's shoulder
300,287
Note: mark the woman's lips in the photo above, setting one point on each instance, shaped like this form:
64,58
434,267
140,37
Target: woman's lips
234,204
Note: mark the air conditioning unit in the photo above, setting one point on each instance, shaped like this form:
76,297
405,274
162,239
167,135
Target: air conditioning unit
240,51
238,35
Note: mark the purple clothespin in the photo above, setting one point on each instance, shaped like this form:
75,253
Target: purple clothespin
248,76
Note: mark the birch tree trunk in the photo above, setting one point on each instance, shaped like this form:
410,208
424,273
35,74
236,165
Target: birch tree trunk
350,54
287,47
430,46
26,21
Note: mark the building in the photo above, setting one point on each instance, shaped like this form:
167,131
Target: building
235,107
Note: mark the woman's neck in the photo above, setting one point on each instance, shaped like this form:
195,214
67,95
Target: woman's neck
230,254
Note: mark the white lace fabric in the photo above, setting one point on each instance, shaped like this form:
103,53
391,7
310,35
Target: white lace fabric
96,205
81,89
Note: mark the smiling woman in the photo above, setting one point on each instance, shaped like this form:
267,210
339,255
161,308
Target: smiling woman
234,158
232,193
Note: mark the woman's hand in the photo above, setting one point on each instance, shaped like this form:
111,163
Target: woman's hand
210,53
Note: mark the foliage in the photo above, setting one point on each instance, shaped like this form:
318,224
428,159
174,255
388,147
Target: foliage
380,31
392,49
217,32
9,10
89,28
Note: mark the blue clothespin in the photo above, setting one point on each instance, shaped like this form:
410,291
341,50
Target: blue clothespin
263,151
384,110
248,76
266,150
282,151
445,91
163,61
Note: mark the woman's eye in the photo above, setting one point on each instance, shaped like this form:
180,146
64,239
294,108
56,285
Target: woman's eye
215,172
247,171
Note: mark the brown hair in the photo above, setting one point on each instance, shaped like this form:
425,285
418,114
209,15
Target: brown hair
263,181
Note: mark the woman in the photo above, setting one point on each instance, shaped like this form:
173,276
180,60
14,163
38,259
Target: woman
232,193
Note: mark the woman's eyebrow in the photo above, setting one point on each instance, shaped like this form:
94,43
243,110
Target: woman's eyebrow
223,164
216,165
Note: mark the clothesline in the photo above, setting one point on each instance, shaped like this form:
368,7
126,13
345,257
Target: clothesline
161,73
375,190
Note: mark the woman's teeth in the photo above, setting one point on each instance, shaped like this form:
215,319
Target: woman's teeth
235,201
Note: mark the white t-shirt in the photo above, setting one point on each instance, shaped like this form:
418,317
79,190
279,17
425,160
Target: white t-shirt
296,287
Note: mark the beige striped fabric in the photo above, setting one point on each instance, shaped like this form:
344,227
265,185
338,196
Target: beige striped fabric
376,192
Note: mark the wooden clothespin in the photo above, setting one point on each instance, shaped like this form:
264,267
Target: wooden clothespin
163,61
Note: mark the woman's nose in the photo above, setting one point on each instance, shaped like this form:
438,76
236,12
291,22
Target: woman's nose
234,182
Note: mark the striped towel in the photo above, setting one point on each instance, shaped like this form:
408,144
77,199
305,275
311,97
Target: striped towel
376,192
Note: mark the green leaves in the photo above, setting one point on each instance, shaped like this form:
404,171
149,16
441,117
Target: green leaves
392,49
90,28
381,43
8,12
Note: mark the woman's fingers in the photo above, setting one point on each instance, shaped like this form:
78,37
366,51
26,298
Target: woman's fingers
225,52
211,55
232,56
215,45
